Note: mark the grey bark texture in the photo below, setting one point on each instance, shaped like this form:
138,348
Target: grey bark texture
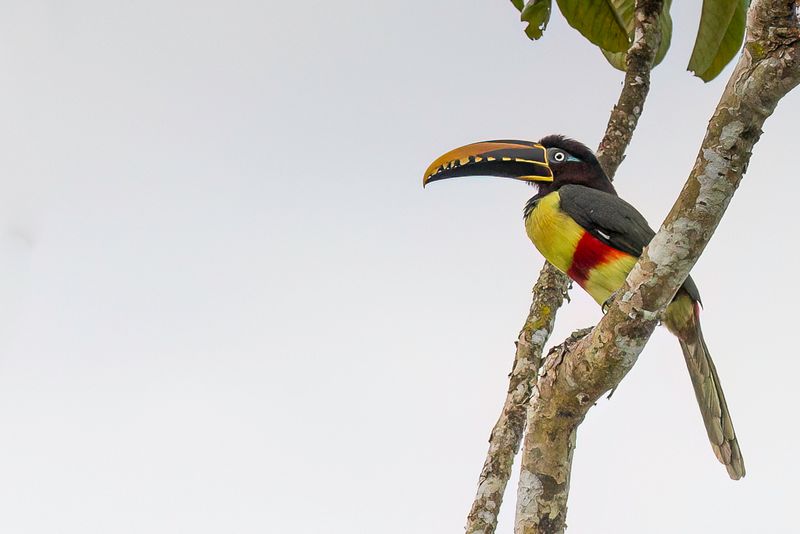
638,64
551,287
575,375
507,433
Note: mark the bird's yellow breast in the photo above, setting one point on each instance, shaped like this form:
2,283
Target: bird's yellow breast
554,233
599,268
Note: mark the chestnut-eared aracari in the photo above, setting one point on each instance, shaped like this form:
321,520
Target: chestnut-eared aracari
583,228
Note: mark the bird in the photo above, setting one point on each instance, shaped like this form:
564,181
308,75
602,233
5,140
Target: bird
581,226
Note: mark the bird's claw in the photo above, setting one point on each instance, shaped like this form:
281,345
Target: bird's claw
608,302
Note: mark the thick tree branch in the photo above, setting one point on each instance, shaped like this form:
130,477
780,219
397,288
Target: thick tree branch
551,287
576,376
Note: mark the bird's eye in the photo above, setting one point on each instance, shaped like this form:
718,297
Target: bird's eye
559,156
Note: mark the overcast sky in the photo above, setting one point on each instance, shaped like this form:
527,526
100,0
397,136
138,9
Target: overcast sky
227,305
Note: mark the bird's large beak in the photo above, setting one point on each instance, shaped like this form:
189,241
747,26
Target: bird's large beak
521,160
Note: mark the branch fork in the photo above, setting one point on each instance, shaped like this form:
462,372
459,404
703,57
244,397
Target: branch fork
576,373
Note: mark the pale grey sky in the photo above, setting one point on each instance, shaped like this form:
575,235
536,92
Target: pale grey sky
228,305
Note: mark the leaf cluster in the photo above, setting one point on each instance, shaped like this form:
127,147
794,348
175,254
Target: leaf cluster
609,25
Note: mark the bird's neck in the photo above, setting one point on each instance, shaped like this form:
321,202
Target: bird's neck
585,174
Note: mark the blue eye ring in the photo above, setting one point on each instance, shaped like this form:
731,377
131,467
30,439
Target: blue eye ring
557,155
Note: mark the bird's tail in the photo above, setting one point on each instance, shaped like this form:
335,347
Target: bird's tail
682,318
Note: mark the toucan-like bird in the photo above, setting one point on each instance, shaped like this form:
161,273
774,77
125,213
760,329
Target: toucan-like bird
583,228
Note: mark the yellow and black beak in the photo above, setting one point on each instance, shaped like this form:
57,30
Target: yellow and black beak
521,160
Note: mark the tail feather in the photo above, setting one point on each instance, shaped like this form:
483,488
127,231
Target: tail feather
706,383
713,407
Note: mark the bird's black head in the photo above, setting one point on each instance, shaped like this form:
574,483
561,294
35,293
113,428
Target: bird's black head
552,162
572,162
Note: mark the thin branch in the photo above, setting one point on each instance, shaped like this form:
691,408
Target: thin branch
638,64
551,287
575,377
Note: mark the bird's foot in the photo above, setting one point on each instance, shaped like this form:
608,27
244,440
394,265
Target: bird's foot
608,302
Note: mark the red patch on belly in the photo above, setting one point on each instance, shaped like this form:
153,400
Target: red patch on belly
590,253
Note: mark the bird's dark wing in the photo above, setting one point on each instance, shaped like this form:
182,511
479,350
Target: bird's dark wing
613,221
607,217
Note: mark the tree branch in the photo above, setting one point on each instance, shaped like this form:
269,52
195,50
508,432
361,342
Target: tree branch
507,433
638,64
552,285
575,376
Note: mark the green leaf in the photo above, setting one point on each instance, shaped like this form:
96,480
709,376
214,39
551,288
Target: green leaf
599,21
665,20
617,59
519,4
537,14
626,10
719,37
